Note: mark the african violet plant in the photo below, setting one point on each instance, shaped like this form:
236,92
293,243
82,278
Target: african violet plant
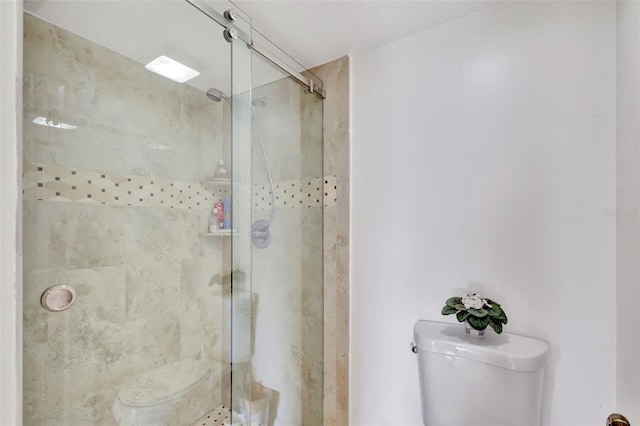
478,312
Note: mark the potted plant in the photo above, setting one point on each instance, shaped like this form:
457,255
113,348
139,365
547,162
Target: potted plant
476,313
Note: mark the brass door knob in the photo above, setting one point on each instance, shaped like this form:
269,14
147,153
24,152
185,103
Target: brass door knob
617,420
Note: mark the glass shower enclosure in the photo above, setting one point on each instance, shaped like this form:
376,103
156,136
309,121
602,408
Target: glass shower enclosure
172,230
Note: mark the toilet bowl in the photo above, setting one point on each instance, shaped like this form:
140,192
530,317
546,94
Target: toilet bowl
174,394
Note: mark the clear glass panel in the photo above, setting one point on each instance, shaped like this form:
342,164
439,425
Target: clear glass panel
120,182
242,296
287,266
129,178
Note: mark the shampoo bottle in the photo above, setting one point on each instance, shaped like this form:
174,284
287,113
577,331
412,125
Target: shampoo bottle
226,209
213,220
220,215
221,171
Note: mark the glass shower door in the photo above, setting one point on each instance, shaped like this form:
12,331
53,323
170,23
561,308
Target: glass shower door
119,187
286,195
141,304
241,304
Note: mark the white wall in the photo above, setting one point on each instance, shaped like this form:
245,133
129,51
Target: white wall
10,261
628,207
484,158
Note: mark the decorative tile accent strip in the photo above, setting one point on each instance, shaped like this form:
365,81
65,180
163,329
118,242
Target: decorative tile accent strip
330,190
311,192
47,182
59,183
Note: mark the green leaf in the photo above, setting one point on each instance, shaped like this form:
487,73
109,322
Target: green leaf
460,307
453,301
495,311
478,323
448,310
462,316
480,313
497,326
492,302
502,317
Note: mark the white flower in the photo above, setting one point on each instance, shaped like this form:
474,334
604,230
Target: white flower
474,301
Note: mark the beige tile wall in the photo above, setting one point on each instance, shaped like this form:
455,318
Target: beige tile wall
128,274
335,75
141,269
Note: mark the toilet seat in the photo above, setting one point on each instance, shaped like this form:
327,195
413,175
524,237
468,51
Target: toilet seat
163,384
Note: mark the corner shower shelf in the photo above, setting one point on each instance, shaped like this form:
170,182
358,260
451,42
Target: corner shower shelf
220,233
216,182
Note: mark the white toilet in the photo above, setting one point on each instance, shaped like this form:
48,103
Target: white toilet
495,380
174,394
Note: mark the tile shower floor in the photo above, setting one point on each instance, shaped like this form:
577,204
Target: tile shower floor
219,416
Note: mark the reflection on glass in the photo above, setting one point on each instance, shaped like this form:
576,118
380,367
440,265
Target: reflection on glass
175,321
42,121
117,209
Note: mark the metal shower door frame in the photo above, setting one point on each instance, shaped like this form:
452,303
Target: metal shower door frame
231,32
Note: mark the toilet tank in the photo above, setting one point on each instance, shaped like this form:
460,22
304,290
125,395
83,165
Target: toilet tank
494,380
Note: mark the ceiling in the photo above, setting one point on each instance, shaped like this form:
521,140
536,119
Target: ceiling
312,32
315,32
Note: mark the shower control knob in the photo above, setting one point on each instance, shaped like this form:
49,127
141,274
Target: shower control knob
230,34
261,234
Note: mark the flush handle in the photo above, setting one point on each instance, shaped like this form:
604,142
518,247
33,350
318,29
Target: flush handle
414,348
617,420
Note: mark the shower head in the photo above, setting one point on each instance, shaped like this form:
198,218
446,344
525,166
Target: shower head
216,94
262,101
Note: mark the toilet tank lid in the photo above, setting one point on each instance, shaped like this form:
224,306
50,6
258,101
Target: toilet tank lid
517,353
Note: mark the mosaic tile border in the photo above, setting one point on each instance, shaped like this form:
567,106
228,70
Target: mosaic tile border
49,182
296,193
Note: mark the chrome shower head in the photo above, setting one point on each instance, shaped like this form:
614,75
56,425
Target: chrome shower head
216,94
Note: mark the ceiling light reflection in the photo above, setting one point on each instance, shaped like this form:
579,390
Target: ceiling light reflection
43,121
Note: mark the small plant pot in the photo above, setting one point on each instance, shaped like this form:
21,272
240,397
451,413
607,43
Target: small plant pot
472,331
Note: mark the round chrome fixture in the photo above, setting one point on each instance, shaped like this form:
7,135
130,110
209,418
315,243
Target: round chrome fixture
261,234
230,34
58,298
231,15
